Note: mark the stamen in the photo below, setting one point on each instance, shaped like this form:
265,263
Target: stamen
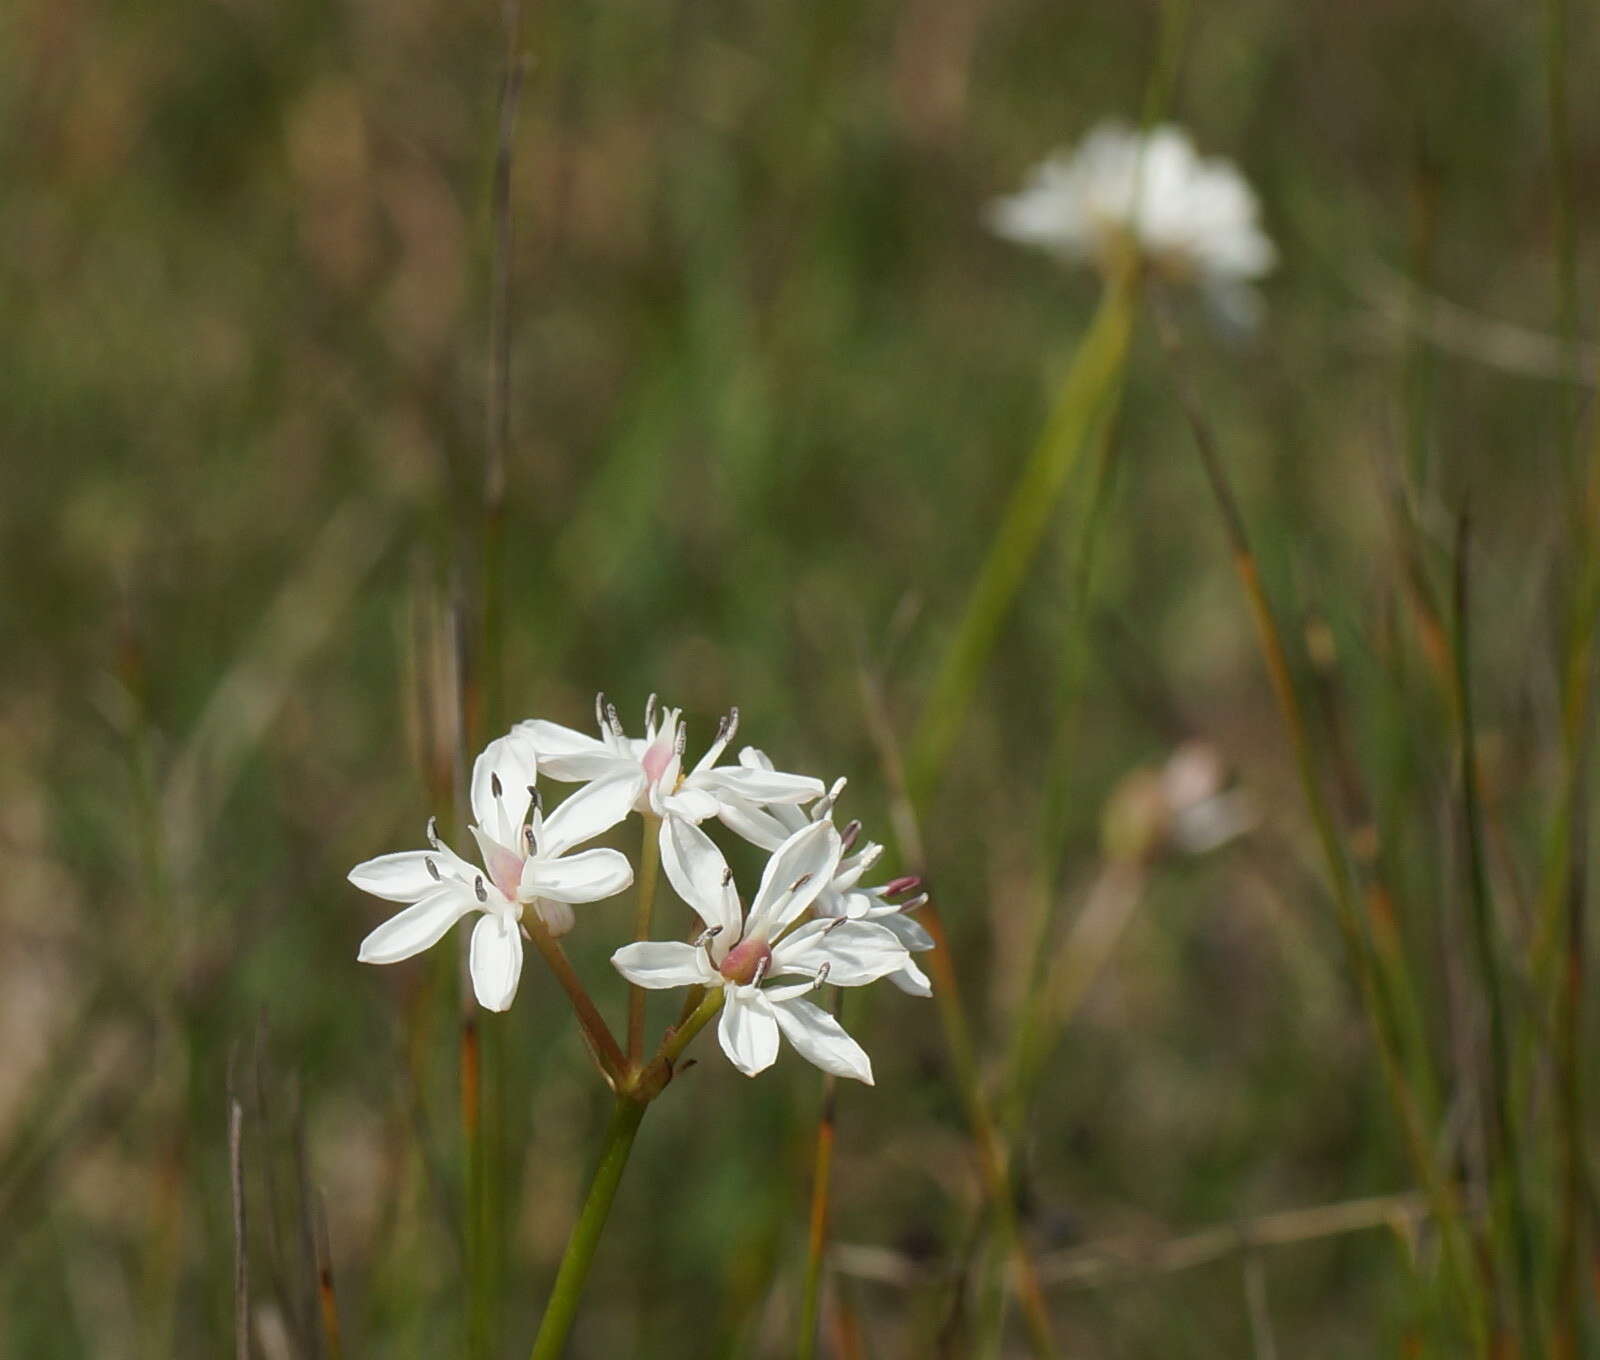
650,717
729,725
707,935
727,877
764,963
907,883
433,869
681,740
600,711
920,900
495,786
477,887
613,719
821,977
799,883
527,837
847,837
433,833
833,925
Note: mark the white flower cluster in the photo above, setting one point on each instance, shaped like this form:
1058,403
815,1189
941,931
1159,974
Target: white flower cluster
811,919
1190,217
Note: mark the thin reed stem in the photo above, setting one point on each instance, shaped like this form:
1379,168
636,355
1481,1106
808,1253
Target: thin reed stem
241,1250
993,1161
1375,969
1502,1125
817,1237
644,911
472,1131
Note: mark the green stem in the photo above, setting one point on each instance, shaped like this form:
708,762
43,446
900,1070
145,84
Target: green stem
562,1308
1086,391
632,1101
649,868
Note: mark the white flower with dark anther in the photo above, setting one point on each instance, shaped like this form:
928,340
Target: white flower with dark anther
652,766
1189,217
738,952
526,865
843,896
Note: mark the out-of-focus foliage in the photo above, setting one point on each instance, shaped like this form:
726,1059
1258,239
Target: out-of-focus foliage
772,382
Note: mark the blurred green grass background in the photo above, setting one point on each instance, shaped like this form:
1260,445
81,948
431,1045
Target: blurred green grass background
772,382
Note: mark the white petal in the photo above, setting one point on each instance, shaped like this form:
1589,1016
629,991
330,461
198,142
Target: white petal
513,763
402,877
418,926
495,961
699,874
747,1030
760,826
756,786
912,980
567,755
908,932
688,804
557,916
586,876
754,758
818,1038
854,952
799,869
660,964
594,808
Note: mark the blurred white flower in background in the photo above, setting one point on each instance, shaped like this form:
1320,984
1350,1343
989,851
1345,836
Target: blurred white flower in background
1122,193
526,864
738,952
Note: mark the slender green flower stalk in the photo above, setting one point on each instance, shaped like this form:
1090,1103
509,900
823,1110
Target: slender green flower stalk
632,1101
1088,388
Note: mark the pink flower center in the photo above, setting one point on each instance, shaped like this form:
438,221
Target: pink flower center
746,960
655,760
505,870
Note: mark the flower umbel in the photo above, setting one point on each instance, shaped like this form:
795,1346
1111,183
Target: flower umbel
740,951
526,864
1123,192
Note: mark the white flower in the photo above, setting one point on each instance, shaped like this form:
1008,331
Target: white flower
739,952
525,864
1190,217
651,767
843,896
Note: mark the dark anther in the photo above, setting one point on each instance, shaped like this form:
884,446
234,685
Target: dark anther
433,869
477,887
495,786
799,883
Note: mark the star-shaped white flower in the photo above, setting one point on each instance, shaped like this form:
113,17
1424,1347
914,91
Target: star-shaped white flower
651,767
1190,217
739,952
526,864
843,895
